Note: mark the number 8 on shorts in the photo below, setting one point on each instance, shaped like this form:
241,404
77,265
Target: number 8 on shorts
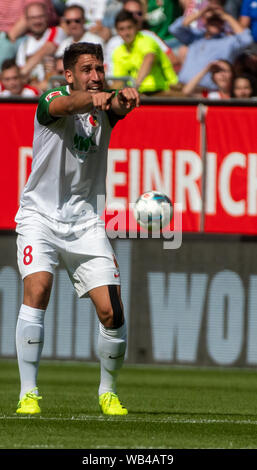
27,258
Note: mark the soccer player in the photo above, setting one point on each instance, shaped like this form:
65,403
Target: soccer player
59,217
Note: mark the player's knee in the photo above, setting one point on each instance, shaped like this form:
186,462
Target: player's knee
111,313
109,319
106,316
38,295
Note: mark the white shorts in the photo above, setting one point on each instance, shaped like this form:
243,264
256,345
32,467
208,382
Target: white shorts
84,249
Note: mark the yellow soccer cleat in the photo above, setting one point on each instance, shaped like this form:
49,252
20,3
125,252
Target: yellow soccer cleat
111,405
29,403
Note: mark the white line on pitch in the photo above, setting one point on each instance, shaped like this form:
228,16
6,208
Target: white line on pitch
171,420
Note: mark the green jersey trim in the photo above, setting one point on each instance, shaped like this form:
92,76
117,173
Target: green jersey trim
43,115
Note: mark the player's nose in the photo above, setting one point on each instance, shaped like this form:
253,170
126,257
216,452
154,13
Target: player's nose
94,75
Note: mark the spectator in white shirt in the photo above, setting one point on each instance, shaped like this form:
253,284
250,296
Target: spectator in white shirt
41,41
95,11
74,19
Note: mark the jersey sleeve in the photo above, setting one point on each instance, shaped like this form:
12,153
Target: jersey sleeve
148,45
21,55
43,115
120,66
168,70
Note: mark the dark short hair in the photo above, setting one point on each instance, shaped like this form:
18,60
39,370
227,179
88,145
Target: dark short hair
251,79
224,62
125,15
135,1
8,64
73,7
72,53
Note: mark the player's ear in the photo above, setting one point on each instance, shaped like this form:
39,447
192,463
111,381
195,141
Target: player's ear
69,76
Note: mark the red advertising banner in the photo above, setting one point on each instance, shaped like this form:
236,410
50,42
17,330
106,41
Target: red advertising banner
231,170
157,147
16,123
152,148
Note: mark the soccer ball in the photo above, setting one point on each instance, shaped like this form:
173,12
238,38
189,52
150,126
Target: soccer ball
153,210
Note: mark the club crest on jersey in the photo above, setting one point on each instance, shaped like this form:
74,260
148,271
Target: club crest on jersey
52,94
93,121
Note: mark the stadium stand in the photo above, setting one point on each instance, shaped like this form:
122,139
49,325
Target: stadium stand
159,19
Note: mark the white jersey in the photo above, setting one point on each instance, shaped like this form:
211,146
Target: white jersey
30,45
69,163
87,37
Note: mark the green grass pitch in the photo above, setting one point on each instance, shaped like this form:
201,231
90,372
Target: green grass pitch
169,408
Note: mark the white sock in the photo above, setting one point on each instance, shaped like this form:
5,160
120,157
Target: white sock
111,348
29,345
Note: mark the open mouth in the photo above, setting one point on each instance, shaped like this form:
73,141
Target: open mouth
94,88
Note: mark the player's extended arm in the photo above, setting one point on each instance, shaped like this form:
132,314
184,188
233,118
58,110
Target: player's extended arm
125,100
80,102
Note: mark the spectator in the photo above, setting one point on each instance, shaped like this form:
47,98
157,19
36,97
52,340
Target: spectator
13,24
194,6
222,73
136,8
94,13
74,18
244,86
12,81
248,16
190,7
160,15
113,7
141,58
210,45
198,25
54,74
94,10
41,41
246,62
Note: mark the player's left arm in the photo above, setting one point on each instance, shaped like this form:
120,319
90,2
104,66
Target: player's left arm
125,101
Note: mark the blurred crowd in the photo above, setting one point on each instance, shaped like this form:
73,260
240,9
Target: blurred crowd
178,48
